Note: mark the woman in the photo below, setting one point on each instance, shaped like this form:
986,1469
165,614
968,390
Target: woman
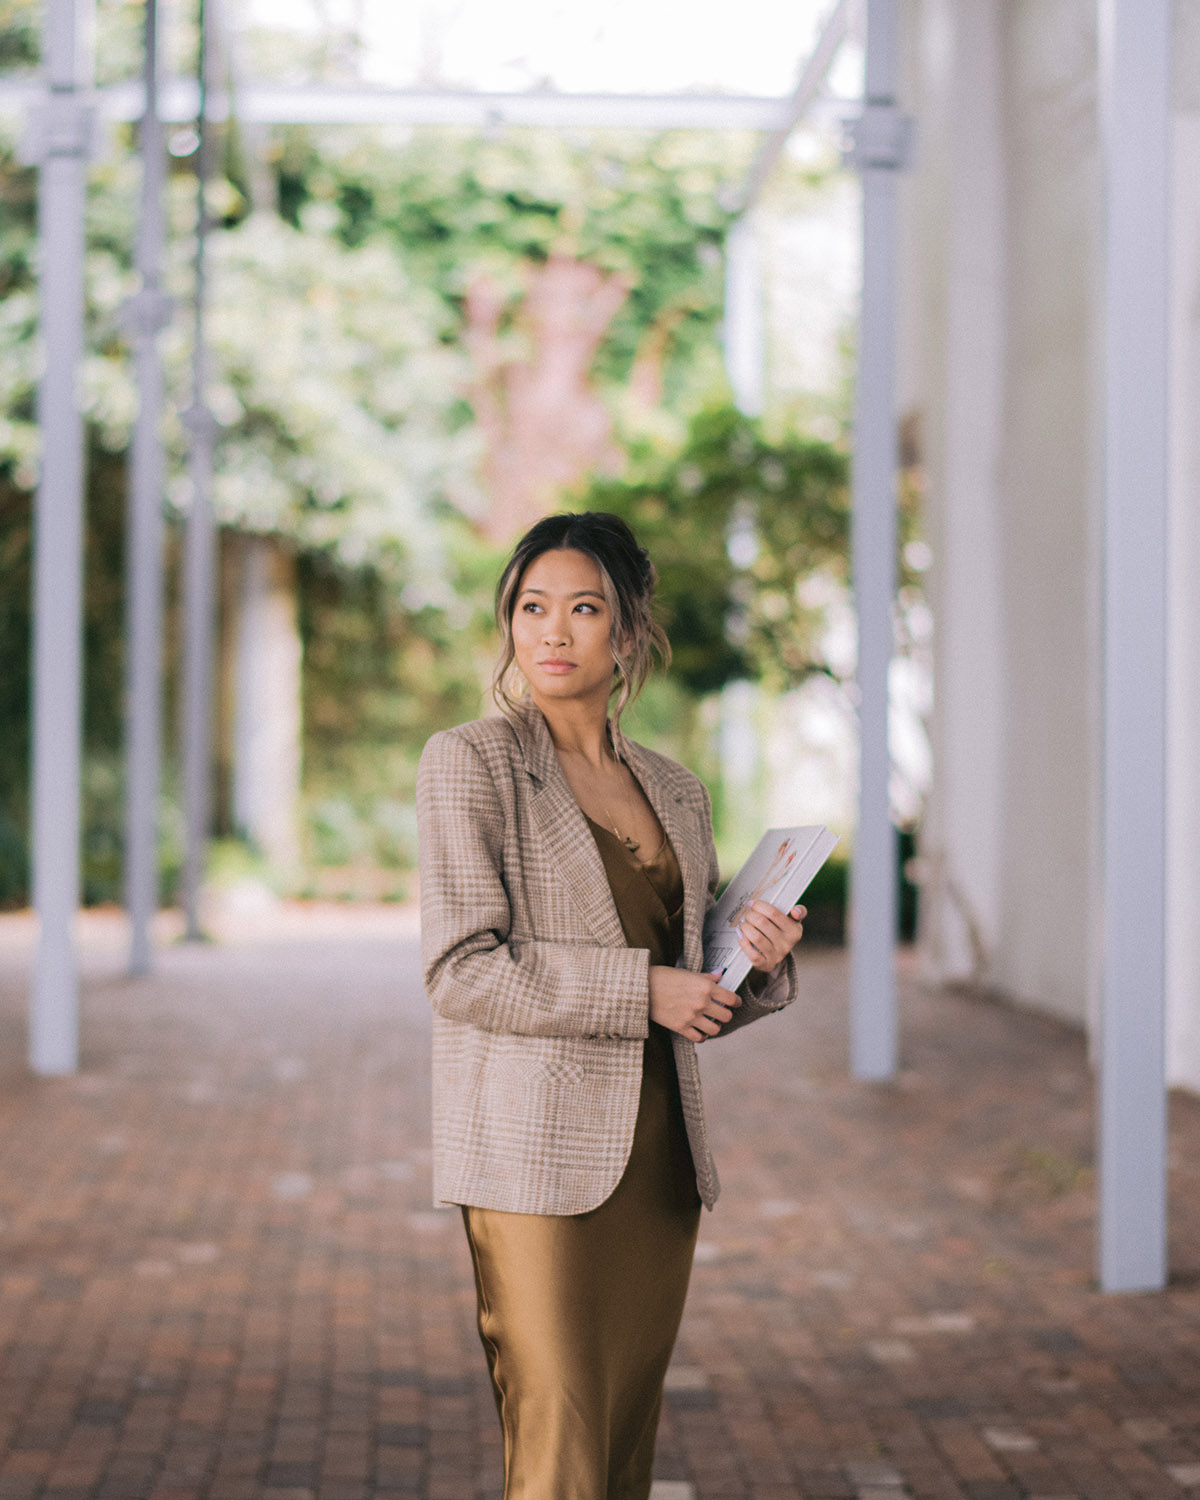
564,871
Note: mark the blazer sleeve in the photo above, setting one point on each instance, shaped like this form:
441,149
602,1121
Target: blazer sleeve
474,970
761,994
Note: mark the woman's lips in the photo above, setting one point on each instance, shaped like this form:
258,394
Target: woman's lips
556,665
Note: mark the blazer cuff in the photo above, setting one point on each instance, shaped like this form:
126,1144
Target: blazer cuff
774,990
623,983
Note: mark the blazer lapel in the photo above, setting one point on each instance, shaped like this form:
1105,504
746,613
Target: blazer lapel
572,848
568,840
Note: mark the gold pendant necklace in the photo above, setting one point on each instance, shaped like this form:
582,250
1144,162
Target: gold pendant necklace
632,844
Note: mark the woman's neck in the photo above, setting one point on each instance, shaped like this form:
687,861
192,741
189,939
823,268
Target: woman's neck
579,730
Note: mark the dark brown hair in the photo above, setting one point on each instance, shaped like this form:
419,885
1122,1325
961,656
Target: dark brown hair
628,579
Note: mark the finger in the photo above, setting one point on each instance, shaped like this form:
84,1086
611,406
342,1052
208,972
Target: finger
778,934
767,956
766,939
754,945
768,918
725,997
766,945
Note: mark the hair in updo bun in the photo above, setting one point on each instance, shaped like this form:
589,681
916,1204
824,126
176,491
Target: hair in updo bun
628,578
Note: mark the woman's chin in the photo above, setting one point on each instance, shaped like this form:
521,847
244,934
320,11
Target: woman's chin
568,688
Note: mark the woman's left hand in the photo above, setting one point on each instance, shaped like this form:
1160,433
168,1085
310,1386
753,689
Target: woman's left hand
767,935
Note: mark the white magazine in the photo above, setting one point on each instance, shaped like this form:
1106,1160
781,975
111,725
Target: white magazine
778,872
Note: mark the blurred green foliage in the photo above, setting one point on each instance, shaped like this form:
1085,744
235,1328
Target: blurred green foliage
20,35
735,522
117,36
457,204
339,272
382,666
337,393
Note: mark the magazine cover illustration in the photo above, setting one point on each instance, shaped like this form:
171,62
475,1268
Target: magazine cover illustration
778,872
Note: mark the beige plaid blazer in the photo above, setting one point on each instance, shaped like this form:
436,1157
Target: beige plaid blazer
540,1008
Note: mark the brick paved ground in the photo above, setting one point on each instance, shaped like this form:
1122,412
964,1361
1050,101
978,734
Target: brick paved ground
221,1277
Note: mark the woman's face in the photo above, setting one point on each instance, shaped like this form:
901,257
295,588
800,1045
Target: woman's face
562,629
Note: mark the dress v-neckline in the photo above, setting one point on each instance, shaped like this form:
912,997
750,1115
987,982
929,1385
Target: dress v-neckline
624,847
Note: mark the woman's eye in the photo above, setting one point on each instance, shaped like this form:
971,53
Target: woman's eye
590,608
530,608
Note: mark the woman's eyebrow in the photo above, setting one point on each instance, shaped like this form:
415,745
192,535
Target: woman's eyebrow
578,594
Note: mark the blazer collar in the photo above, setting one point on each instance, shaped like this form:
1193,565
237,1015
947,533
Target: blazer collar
541,760
533,736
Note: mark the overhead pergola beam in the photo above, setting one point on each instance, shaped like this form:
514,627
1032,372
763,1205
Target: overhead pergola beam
804,97
322,105
744,322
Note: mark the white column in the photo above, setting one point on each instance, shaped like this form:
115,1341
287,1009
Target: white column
1183,652
1135,99
744,332
267,720
148,312
199,553
61,130
879,149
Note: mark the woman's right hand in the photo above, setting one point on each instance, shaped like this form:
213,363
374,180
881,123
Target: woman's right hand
694,1005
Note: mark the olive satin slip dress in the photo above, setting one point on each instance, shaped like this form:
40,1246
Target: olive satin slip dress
578,1313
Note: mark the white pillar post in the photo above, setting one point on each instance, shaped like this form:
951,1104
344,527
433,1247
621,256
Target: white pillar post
61,131
148,312
267,720
744,332
199,549
879,149
1136,102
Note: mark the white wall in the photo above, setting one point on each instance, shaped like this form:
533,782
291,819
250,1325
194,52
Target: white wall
952,347
1001,356
1003,365
1050,502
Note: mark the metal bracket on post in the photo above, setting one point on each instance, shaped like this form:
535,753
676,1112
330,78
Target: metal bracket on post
880,136
146,313
200,422
61,124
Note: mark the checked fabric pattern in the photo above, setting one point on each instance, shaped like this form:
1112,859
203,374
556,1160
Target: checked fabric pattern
540,1008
